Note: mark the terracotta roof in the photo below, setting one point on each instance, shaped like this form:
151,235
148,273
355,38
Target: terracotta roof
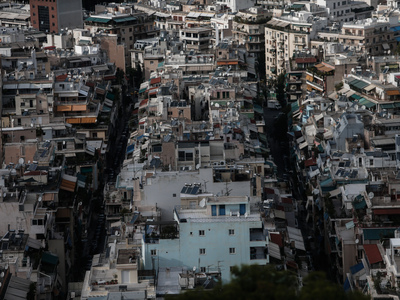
310,162
276,238
373,253
61,78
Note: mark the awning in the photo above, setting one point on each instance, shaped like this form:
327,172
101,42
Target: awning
126,19
49,258
393,92
386,211
130,149
385,46
98,20
366,103
32,243
373,254
387,106
370,87
355,96
303,145
359,84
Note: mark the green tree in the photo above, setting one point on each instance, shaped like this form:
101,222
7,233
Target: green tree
265,282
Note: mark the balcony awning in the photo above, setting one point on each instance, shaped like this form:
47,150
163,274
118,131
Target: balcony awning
366,103
98,20
393,92
386,211
385,46
387,106
50,258
370,87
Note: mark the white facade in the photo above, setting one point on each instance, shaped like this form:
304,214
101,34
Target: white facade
217,237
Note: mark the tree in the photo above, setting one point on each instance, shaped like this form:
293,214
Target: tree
265,282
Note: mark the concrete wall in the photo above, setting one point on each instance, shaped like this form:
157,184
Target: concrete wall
69,14
13,152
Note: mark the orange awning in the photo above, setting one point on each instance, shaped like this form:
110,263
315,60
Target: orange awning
88,120
64,108
48,197
79,107
68,185
73,121
393,92
309,78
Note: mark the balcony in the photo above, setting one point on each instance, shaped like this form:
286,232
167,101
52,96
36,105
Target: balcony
258,253
315,85
257,237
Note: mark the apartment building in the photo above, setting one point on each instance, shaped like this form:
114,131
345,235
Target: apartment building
285,35
371,36
52,16
219,233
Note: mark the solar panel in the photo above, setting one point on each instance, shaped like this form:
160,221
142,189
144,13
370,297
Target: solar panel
46,145
341,164
338,172
4,246
195,190
43,153
347,164
189,190
183,191
354,174
32,167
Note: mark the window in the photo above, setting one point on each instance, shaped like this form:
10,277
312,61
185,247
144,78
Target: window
173,195
153,252
231,231
201,233
202,251
232,250
371,162
202,269
151,62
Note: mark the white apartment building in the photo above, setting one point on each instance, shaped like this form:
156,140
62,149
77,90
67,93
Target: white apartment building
285,35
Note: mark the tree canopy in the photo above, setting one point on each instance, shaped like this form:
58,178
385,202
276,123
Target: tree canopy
265,282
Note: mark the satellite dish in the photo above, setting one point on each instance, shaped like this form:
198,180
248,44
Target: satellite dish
197,166
2,274
357,241
4,195
371,195
21,161
194,269
202,202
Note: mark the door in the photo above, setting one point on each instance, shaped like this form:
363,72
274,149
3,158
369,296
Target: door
222,210
242,209
213,210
